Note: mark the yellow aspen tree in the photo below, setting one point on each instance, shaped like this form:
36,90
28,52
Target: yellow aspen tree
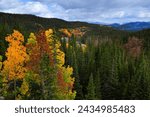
14,66
64,79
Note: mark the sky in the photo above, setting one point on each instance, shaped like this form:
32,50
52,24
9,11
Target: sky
103,11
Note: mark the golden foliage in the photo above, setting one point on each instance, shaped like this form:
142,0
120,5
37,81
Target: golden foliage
24,87
16,57
14,66
0,62
79,32
54,45
32,39
66,32
19,64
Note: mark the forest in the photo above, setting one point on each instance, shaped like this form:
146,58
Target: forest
52,59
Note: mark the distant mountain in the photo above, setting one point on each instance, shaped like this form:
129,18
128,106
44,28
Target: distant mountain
99,23
115,25
132,26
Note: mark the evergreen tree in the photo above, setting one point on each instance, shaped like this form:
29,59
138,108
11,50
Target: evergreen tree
48,80
91,89
98,86
77,85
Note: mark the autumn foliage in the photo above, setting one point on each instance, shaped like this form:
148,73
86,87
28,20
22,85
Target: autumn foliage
66,32
134,46
38,63
14,66
16,57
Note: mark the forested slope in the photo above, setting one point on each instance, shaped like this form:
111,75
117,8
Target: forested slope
75,60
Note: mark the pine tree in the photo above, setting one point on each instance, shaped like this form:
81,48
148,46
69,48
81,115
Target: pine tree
98,86
91,89
142,78
77,85
48,80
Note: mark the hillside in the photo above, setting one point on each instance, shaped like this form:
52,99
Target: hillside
26,23
31,23
72,60
132,26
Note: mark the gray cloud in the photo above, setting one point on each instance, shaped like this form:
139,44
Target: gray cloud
108,11
73,4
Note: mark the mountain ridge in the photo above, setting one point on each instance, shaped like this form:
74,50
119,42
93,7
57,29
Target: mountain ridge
59,23
131,26
31,23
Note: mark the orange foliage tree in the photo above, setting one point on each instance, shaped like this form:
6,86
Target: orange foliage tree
134,47
66,32
13,67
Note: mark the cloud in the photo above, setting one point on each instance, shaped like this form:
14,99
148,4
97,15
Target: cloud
16,6
70,4
7,4
108,11
144,14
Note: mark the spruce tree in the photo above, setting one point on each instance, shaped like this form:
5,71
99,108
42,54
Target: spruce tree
77,85
98,85
91,89
48,80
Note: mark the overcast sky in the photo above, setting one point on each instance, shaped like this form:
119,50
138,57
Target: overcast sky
106,11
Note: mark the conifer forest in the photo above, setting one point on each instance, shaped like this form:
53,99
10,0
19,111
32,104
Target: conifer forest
52,59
